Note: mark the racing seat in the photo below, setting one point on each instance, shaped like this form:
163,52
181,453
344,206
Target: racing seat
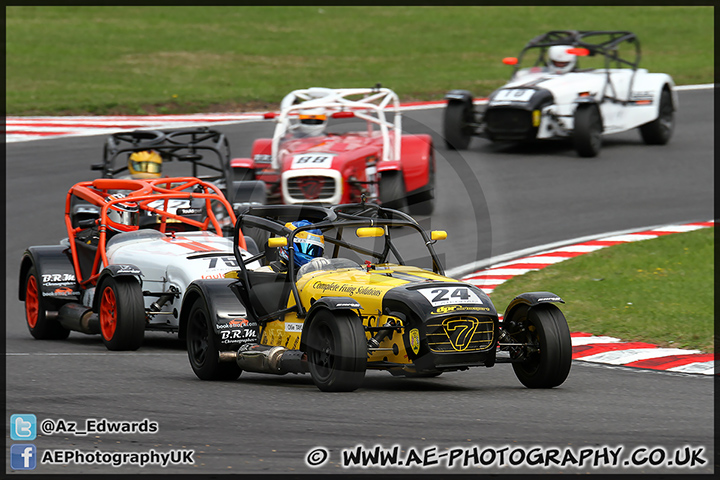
269,291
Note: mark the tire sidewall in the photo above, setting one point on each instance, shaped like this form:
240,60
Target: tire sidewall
129,313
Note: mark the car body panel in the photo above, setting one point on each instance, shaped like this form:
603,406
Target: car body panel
339,167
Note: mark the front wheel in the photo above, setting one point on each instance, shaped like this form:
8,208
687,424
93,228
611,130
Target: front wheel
587,136
659,131
36,307
202,349
337,351
122,313
392,190
456,125
423,203
548,355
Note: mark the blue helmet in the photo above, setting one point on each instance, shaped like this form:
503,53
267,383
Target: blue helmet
308,244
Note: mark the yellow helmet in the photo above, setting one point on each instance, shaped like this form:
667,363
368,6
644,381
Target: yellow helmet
145,164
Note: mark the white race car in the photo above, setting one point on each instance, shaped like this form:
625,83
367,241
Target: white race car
555,98
133,247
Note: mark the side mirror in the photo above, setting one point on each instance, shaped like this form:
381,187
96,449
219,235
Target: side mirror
438,235
365,232
276,242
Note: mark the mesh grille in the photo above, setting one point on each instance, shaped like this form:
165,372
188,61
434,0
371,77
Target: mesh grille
314,187
508,121
460,333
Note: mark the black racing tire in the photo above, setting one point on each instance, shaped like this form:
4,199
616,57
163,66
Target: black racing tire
587,136
456,125
202,346
121,313
547,330
659,131
392,190
241,174
337,351
41,327
423,203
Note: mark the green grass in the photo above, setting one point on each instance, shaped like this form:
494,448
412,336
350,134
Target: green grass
102,59
658,291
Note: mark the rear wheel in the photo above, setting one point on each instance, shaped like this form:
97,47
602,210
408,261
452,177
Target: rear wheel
456,125
587,136
392,190
659,131
337,351
122,313
36,307
203,352
548,354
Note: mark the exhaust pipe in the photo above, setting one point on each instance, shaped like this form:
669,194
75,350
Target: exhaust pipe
267,359
74,316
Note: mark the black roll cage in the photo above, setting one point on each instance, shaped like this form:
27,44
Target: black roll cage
272,218
584,39
184,145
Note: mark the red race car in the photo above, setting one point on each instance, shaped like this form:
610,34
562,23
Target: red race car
303,163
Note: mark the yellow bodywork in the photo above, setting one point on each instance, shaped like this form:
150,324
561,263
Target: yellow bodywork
365,287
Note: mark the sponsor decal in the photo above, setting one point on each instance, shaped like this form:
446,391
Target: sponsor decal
241,335
460,331
262,158
415,340
128,269
242,322
59,284
457,308
293,327
189,211
450,295
549,299
213,275
351,305
63,291
66,278
347,289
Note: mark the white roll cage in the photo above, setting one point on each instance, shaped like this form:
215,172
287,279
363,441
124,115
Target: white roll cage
370,107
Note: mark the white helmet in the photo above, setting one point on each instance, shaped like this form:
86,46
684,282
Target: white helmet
559,60
312,122
124,216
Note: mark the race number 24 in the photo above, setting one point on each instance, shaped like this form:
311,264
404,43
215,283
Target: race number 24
450,295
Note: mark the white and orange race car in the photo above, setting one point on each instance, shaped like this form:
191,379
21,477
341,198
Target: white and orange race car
132,248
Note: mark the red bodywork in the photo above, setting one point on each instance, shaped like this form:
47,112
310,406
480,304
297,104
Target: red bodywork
336,168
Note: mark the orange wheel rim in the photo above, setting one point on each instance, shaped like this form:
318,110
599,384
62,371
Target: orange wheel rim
108,314
32,304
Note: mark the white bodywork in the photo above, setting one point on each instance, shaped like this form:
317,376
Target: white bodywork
625,101
172,262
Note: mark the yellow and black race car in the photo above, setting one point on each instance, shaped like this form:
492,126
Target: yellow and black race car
359,305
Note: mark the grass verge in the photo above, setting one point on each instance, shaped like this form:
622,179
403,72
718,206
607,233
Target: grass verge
63,60
659,291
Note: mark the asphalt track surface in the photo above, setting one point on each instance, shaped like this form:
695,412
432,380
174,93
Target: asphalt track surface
492,200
